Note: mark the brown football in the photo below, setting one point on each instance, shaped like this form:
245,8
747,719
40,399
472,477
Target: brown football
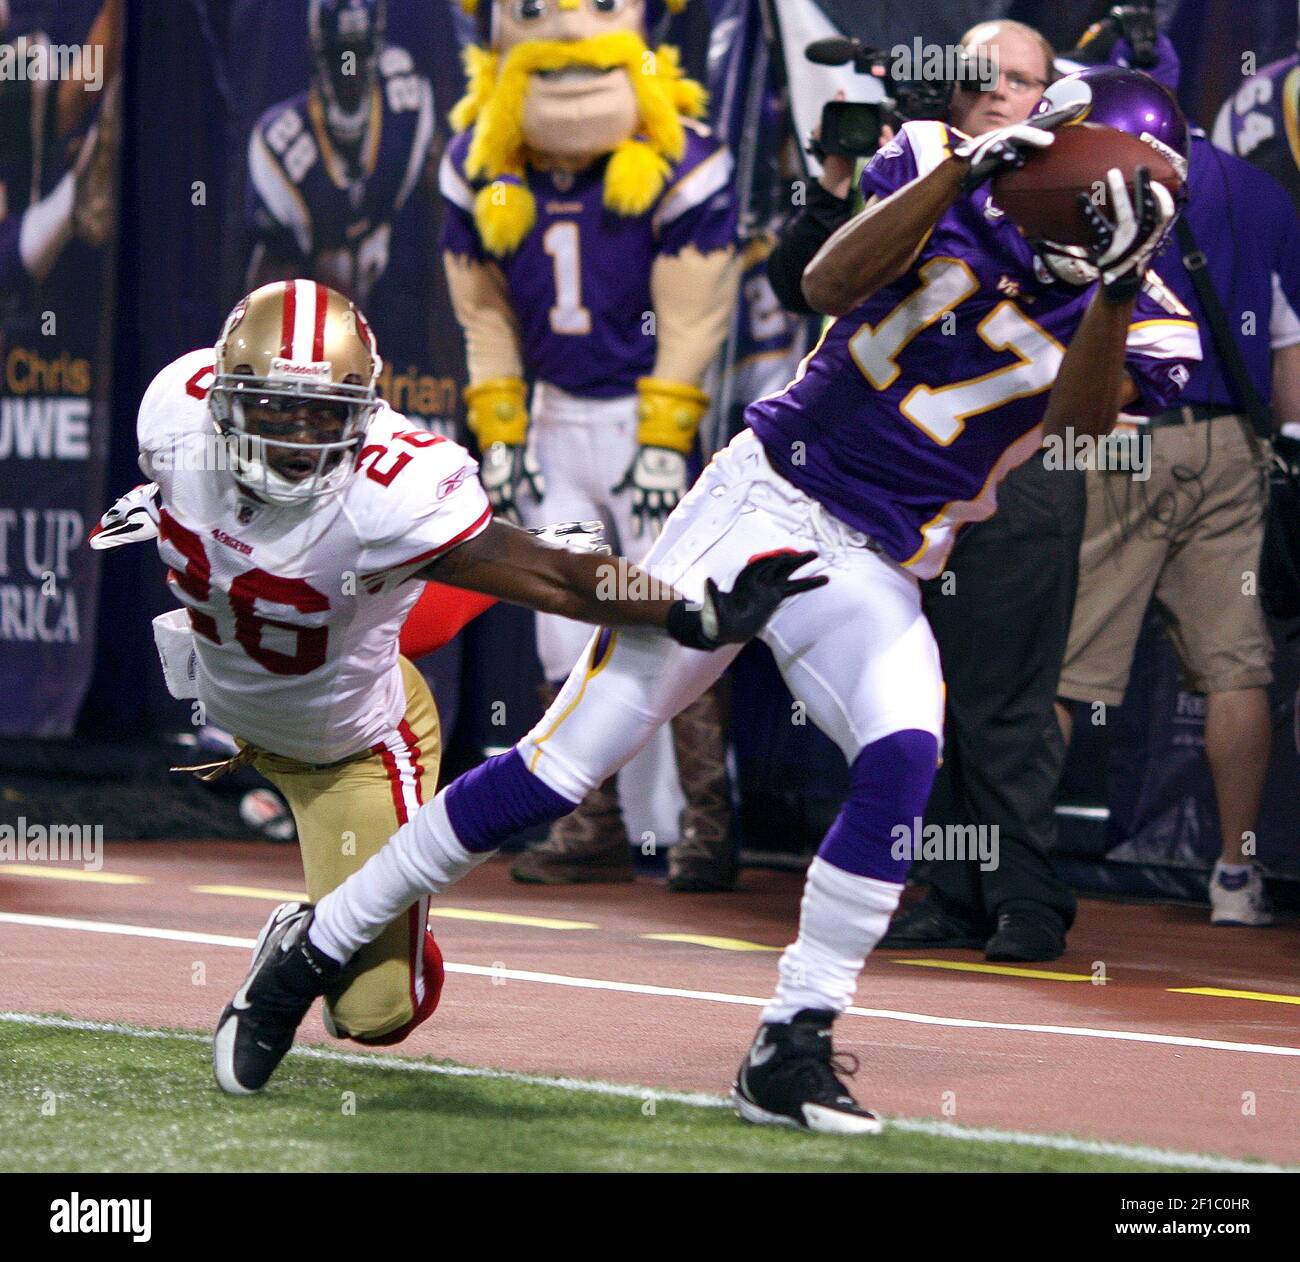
1041,198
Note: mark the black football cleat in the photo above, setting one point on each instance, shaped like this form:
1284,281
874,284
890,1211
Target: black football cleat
791,1077
256,1030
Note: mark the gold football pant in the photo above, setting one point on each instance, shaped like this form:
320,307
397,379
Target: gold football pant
345,812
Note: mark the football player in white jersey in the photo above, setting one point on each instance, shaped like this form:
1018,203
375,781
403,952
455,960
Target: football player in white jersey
294,509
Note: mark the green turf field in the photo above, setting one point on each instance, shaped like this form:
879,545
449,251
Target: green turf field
94,1100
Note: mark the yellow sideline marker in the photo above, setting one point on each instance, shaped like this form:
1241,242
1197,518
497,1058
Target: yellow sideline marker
72,874
252,891
1001,970
1219,993
508,918
704,940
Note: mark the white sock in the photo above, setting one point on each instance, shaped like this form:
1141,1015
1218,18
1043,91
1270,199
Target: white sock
422,857
842,918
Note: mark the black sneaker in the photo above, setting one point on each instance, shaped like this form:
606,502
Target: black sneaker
930,926
256,1030
790,1077
1027,937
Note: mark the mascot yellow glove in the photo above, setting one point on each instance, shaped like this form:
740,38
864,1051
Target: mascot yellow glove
498,417
498,411
669,413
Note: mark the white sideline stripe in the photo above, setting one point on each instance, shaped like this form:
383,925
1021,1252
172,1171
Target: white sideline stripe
672,992
692,1099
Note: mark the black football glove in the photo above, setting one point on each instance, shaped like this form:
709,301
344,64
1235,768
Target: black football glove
738,615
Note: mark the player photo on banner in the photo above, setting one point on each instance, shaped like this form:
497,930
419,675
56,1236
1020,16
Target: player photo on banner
60,113
336,121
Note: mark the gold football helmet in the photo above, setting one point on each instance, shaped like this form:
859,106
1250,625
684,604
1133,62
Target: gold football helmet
295,389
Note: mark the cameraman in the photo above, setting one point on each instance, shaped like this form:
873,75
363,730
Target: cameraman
1000,614
1025,61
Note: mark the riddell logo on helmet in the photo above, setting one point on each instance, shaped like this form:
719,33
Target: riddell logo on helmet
296,370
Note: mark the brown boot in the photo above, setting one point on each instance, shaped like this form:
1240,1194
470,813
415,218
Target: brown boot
704,859
587,847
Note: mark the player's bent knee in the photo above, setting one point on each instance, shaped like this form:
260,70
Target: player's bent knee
890,782
385,1002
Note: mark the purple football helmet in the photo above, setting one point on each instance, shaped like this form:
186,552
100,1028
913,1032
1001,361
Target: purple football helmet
1128,101
347,38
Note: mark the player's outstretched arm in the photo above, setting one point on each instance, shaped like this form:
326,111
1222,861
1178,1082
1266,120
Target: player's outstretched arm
1092,385
879,245
510,564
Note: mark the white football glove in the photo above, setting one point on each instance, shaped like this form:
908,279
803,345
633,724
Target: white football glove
1003,149
505,470
133,518
1124,242
575,536
657,478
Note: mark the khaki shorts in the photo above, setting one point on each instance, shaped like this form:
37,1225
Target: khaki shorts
347,811
1189,537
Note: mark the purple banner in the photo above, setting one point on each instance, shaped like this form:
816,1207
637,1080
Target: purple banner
59,143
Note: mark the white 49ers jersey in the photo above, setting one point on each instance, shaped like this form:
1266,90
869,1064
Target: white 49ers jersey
296,610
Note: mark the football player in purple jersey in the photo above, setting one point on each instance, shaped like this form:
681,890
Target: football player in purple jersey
330,168
1261,122
958,344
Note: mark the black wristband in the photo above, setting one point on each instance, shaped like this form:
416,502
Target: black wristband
1124,289
686,625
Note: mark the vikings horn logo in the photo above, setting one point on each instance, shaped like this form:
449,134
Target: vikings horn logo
565,82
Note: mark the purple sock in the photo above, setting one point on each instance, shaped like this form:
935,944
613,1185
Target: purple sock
889,784
499,798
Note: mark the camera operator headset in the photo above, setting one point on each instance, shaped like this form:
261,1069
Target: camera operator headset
852,131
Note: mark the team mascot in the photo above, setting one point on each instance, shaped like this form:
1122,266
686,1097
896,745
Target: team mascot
589,241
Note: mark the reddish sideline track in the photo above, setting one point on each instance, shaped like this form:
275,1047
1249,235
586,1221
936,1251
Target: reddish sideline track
566,982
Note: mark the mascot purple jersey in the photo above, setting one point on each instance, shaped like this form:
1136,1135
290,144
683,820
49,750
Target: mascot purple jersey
580,280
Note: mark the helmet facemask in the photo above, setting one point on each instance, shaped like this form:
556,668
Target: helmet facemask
283,469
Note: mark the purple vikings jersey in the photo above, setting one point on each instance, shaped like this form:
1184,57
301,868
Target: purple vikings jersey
304,203
580,280
919,401
1261,122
